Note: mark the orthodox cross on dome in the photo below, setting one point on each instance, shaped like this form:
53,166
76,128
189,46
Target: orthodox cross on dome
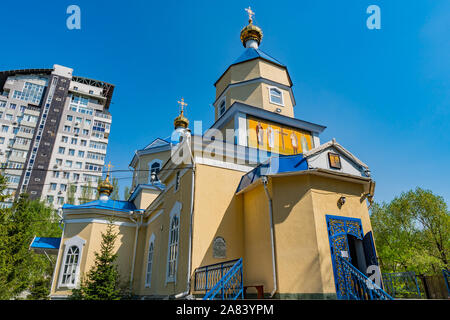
250,14
182,104
109,166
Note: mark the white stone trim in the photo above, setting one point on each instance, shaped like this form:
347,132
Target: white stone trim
270,96
223,164
175,212
148,284
103,221
79,243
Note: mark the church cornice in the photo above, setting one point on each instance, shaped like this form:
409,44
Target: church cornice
257,80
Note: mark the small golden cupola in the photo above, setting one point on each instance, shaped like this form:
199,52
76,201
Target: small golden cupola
251,35
105,188
181,121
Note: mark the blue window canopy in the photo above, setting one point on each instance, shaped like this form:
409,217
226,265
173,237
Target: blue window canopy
115,205
47,245
272,166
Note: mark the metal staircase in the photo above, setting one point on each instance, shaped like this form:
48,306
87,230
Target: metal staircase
358,286
229,286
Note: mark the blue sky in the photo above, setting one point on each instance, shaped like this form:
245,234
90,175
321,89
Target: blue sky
383,94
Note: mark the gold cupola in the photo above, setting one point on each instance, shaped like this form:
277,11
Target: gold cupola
251,35
105,188
181,121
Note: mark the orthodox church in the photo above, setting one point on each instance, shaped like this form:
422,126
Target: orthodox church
254,207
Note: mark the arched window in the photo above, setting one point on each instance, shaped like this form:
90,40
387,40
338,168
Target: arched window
70,262
70,266
173,247
222,108
148,276
154,167
276,96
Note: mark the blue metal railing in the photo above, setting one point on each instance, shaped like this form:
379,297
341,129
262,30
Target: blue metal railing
402,284
230,286
206,277
358,286
446,274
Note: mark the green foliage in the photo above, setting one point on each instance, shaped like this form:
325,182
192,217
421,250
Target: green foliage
71,190
412,232
20,267
102,280
40,289
126,193
115,193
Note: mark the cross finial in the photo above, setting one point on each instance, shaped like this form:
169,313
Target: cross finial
109,166
250,14
182,104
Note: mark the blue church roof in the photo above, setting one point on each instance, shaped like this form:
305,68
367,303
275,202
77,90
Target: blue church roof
116,205
45,243
274,165
252,53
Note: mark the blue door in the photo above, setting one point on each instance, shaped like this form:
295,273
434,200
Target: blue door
339,229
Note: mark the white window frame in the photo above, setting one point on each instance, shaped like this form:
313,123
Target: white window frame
151,250
270,96
177,181
69,243
222,101
174,213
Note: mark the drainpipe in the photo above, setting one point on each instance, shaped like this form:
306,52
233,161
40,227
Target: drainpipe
184,294
265,181
138,224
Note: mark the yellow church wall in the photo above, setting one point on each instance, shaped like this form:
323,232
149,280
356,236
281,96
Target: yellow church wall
241,72
160,227
218,213
142,176
257,258
145,197
91,233
325,194
286,110
273,72
297,256
300,204
82,230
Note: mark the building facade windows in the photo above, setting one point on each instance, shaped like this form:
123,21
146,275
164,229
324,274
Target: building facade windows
31,92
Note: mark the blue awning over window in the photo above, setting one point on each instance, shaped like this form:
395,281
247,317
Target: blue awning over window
48,244
274,165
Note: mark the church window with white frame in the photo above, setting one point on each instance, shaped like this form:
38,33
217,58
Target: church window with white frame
276,96
70,263
148,275
172,256
70,266
222,107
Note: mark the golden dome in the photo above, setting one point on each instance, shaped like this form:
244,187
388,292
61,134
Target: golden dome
251,32
105,187
181,121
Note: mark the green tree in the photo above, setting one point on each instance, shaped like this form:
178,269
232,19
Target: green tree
87,193
71,190
126,193
412,232
115,192
102,280
20,268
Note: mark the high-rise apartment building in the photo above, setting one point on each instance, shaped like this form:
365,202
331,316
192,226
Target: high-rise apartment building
54,130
